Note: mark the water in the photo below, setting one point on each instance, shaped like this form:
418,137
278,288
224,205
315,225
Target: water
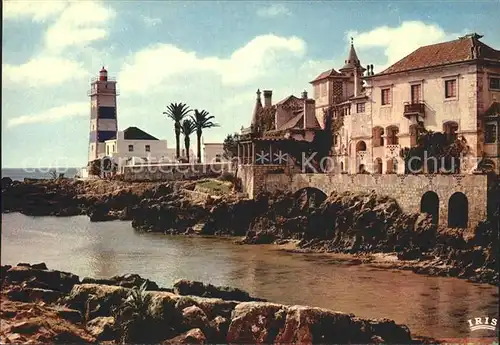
20,174
430,306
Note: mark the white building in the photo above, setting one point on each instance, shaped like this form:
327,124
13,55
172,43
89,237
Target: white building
213,153
135,146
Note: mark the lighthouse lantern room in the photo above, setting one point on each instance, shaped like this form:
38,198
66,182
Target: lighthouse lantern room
103,117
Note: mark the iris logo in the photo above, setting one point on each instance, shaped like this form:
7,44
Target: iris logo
482,323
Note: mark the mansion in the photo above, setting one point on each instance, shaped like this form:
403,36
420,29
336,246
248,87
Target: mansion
451,87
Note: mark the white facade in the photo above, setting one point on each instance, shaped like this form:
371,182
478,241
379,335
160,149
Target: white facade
140,150
213,153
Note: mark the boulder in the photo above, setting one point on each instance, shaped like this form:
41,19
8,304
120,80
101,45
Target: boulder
194,288
72,315
194,317
102,328
127,280
42,278
216,334
193,336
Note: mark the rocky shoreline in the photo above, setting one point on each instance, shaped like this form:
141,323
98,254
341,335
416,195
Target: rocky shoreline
363,225
39,305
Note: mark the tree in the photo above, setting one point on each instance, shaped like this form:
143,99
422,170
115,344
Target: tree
202,120
177,112
187,129
230,146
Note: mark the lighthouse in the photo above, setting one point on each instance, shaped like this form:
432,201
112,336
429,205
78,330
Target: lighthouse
103,119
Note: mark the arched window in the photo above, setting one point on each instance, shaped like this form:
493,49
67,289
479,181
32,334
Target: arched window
378,139
360,146
430,204
458,211
450,129
392,166
392,135
413,135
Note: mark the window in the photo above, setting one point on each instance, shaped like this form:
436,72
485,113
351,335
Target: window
450,88
217,158
148,148
113,147
386,96
360,107
490,133
415,93
335,140
107,150
131,148
495,83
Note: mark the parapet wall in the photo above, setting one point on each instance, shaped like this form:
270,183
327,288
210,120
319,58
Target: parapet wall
407,190
172,172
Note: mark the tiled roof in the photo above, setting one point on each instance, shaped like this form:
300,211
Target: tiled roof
134,133
330,73
293,121
286,99
455,51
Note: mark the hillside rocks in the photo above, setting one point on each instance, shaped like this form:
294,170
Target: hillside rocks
90,313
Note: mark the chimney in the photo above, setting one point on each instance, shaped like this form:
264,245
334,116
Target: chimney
304,94
268,94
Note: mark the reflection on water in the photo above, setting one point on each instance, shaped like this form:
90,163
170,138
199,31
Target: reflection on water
431,306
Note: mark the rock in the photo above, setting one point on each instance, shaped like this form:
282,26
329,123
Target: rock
194,317
6,182
194,336
390,332
95,300
40,266
255,323
49,279
217,332
212,307
102,328
194,288
25,327
72,315
127,280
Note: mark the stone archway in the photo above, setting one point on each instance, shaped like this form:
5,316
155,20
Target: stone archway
310,195
430,204
458,211
360,146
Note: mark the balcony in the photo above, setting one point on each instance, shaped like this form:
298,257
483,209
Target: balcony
414,110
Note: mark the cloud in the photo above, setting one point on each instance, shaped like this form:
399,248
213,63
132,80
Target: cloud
52,114
150,68
274,10
398,42
79,24
43,71
149,21
38,10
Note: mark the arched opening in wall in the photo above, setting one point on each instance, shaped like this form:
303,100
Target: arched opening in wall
309,197
458,211
486,165
378,166
361,169
378,139
450,129
430,204
413,135
360,146
392,135
341,167
392,166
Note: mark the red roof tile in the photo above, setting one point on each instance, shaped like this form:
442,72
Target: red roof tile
458,50
330,73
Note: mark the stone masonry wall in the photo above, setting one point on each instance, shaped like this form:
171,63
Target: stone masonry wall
407,190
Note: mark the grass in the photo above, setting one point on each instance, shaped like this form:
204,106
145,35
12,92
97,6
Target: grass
214,186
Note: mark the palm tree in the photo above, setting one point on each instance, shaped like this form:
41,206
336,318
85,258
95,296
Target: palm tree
177,112
187,129
201,120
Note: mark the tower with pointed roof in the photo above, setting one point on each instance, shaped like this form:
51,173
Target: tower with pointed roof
103,119
256,112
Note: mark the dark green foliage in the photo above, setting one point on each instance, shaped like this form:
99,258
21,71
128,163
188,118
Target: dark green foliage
177,112
202,120
230,146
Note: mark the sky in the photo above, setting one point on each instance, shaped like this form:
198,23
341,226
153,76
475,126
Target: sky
211,55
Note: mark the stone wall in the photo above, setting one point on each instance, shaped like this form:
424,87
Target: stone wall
407,190
170,172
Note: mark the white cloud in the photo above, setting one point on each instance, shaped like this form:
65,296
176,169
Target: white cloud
52,114
274,10
79,24
150,21
397,42
38,10
151,67
43,71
